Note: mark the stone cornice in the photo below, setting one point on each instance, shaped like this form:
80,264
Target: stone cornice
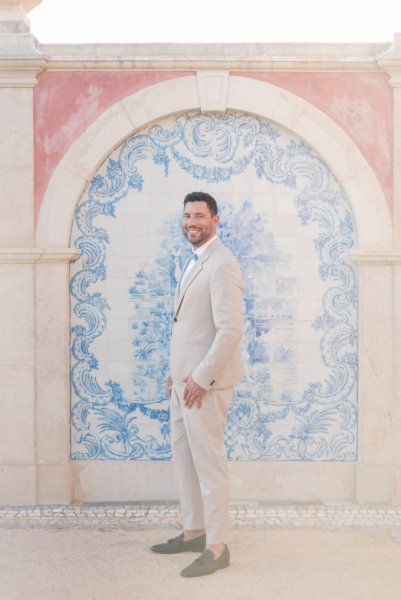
19,74
390,61
37,255
243,56
20,60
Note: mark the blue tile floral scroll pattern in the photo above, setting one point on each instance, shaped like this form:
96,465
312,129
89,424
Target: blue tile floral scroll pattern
287,220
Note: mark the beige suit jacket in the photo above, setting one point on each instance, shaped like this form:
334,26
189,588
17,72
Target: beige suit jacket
208,321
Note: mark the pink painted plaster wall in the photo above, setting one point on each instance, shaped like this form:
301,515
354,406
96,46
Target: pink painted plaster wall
65,103
361,103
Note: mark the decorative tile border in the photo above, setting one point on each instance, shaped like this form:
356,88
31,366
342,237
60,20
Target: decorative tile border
275,415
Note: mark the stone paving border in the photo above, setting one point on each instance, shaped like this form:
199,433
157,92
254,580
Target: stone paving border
157,515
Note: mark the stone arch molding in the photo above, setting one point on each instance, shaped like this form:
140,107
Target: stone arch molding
374,229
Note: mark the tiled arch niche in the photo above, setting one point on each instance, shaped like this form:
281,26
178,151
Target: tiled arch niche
319,440
289,223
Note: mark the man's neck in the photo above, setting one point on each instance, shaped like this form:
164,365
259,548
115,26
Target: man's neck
205,245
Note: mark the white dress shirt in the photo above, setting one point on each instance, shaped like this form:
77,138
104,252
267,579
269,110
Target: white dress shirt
197,254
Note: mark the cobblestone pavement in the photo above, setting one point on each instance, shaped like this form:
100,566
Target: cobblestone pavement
245,516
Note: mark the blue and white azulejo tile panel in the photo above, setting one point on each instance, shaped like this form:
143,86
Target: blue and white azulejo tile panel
288,221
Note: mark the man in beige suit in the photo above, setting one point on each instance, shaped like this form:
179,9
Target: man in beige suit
205,365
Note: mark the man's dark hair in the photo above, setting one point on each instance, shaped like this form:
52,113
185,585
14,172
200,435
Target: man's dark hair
202,197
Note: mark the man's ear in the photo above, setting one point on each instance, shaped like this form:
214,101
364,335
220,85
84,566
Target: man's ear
216,219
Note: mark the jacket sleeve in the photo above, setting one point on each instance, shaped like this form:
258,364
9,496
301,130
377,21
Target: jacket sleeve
227,310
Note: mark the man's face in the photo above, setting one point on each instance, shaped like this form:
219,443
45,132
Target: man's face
198,225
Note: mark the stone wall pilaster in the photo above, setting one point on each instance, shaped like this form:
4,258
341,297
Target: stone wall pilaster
20,61
377,429
390,62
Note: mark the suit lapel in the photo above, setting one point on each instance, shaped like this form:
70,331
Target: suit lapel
196,269
178,287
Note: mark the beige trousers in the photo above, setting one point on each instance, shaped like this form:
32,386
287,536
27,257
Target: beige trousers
197,440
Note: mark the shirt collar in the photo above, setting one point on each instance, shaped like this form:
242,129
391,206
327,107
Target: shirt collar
201,250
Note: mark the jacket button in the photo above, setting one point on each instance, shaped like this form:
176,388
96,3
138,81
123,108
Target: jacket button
212,382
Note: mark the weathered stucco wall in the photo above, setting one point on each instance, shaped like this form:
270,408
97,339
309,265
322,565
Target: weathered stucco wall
302,146
65,103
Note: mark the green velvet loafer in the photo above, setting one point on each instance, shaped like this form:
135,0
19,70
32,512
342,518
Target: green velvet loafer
178,544
207,564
